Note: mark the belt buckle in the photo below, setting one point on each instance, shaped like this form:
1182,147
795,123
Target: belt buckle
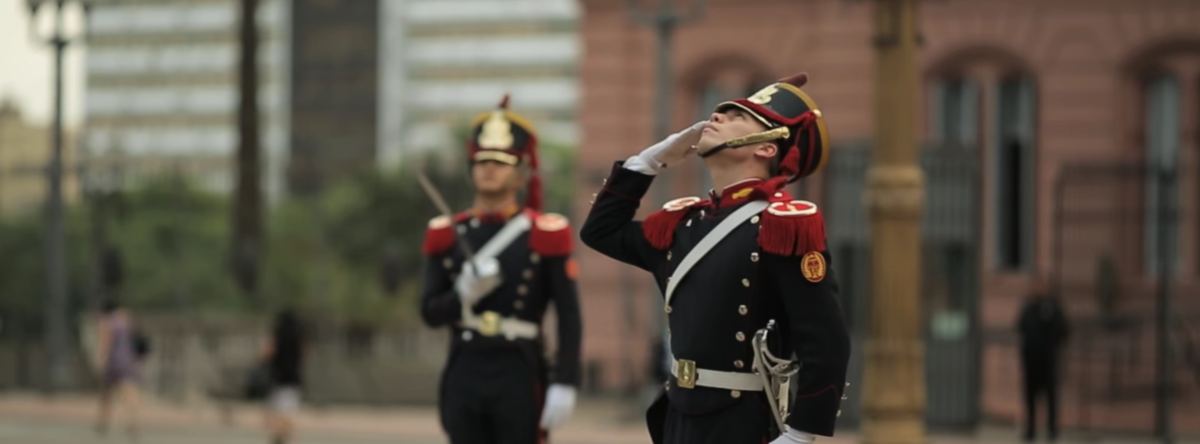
685,373
489,323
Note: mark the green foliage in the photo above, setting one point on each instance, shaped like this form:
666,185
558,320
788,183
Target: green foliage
324,255
173,239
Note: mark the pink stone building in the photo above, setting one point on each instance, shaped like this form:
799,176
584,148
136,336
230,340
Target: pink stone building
1017,92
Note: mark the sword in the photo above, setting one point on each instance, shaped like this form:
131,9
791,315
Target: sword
440,203
775,374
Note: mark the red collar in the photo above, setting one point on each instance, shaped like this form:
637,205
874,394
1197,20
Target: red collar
739,192
494,217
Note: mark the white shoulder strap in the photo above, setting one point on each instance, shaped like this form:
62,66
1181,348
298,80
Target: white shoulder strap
504,237
495,246
711,240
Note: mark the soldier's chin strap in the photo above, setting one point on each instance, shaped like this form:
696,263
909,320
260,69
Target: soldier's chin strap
766,136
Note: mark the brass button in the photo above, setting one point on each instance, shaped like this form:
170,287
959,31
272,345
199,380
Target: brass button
604,182
689,222
522,289
519,304
668,255
741,337
528,274
667,309
448,263
534,257
735,394
754,220
753,257
745,282
739,364
743,310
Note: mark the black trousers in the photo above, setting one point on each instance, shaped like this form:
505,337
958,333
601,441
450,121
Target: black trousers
1041,380
492,397
746,422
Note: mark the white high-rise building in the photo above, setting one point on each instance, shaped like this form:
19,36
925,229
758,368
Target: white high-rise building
162,88
444,61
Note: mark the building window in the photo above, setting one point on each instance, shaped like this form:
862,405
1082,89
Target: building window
1013,172
955,113
955,121
1162,131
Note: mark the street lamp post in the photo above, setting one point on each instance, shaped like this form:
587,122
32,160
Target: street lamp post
664,19
1166,176
56,276
894,374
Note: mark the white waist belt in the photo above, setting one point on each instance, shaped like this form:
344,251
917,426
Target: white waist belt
688,376
491,324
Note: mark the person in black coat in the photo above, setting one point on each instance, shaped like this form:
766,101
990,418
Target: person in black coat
770,268
496,387
1043,328
284,353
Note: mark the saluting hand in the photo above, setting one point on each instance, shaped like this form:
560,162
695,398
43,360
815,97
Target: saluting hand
560,402
674,149
478,279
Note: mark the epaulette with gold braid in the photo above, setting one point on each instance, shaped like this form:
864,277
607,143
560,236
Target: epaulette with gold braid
659,227
791,227
550,235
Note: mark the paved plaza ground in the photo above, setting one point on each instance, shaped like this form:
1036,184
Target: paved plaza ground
33,419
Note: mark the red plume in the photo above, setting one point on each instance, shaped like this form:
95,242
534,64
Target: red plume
533,198
797,80
533,195
504,102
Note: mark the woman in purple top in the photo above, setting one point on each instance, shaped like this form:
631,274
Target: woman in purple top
117,359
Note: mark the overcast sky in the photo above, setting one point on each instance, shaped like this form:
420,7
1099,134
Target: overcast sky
27,72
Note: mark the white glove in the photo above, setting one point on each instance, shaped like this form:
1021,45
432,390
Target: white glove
560,401
479,278
794,436
669,151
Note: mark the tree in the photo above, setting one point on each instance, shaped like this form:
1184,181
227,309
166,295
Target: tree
246,246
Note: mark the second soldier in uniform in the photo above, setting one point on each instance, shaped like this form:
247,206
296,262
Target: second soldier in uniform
746,258
496,387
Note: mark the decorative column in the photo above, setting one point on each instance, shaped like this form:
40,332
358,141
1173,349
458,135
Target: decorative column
894,378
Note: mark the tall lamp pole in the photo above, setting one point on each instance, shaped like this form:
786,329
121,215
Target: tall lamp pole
664,19
894,375
56,276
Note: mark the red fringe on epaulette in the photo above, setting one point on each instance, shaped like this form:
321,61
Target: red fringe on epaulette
551,243
438,241
791,235
659,227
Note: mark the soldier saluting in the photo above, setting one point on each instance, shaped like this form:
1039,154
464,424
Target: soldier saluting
745,274
490,274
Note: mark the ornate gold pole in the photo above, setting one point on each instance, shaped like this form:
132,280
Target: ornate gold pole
894,375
